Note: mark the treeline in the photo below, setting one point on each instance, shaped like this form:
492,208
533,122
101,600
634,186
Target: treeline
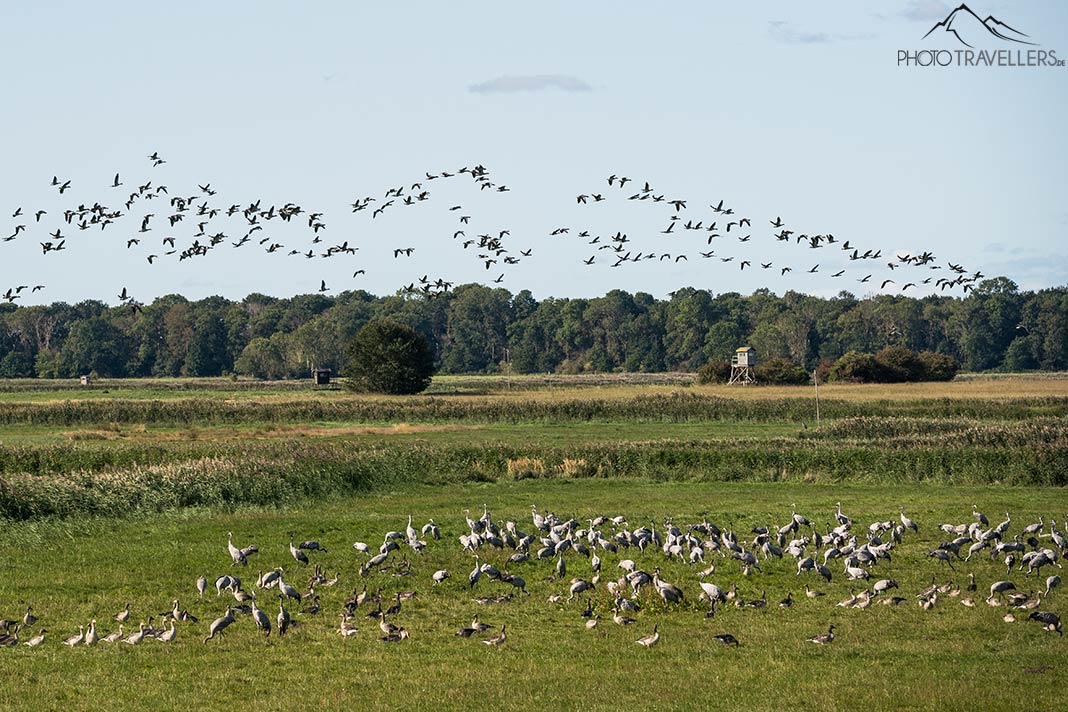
478,329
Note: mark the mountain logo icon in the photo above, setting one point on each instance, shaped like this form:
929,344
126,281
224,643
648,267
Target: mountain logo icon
968,28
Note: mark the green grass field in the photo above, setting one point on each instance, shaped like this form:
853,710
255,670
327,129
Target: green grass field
907,658
123,501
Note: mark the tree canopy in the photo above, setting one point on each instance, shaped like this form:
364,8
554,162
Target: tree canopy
480,329
388,357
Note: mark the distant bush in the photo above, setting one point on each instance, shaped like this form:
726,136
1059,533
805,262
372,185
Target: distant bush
938,367
899,365
823,370
857,367
894,364
779,371
714,372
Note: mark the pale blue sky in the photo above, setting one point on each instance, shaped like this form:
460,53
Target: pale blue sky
779,108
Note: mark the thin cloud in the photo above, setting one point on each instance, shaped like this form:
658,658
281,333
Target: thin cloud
924,10
509,84
785,32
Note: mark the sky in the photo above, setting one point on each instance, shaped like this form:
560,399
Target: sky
779,109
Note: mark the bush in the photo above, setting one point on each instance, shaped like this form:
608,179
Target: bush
779,371
388,357
823,371
714,372
857,367
899,365
938,367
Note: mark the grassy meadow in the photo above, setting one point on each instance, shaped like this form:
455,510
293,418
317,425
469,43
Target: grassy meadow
125,491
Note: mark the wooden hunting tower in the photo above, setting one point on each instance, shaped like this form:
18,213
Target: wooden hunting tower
321,376
742,364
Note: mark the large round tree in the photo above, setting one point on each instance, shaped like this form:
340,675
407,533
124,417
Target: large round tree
387,357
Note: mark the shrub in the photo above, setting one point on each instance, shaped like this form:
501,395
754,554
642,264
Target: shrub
899,365
388,357
856,367
938,367
823,370
779,371
714,372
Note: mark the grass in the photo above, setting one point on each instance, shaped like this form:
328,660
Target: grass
907,658
125,491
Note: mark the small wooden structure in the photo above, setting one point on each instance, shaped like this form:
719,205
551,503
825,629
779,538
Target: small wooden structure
742,363
321,376
87,381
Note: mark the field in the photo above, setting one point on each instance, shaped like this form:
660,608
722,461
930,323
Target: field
125,492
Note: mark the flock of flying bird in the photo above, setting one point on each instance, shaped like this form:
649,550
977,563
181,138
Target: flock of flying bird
161,214
554,548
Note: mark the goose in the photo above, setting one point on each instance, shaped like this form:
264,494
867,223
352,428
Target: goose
123,615
400,635
479,626
114,636
10,640
168,635
811,593
496,640
137,637
385,626
726,639
91,637
29,618
650,640
823,638
346,629
37,639
788,601
621,619
592,622
76,639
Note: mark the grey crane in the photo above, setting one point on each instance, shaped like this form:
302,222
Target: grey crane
297,553
263,621
283,619
909,524
218,625
1052,582
202,585
440,575
1049,621
236,554
288,590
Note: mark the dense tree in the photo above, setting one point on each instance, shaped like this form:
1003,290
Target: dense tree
388,357
479,329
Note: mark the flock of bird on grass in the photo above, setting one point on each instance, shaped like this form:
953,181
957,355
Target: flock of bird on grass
161,215
560,546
